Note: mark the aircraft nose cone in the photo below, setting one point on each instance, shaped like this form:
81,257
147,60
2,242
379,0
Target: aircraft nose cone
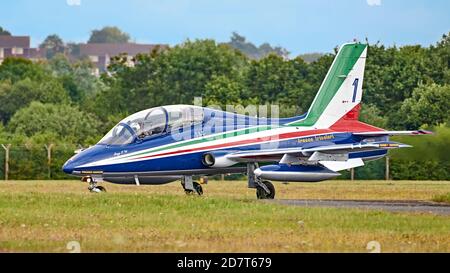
68,167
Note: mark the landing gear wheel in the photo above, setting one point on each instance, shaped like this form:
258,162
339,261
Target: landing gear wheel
97,189
261,193
93,185
100,188
197,189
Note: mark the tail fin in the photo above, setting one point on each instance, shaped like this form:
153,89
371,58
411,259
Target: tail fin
341,92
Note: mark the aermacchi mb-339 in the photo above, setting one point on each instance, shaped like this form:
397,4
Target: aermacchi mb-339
179,142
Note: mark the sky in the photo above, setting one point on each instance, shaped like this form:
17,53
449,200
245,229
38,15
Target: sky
300,26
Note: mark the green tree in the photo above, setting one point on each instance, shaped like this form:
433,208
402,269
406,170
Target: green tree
64,121
88,84
16,96
372,115
429,106
392,74
222,91
240,43
426,148
4,32
53,45
76,78
428,160
73,49
172,76
317,71
60,65
275,80
440,60
4,135
311,57
109,35
184,71
16,69
127,91
267,78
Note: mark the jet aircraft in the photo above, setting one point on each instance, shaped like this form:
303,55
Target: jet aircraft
178,142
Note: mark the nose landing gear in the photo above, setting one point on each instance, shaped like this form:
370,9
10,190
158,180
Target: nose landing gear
93,187
97,189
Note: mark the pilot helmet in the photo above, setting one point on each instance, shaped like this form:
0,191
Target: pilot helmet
135,126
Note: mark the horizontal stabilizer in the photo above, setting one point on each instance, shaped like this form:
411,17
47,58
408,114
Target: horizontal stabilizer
299,152
394,133
357,147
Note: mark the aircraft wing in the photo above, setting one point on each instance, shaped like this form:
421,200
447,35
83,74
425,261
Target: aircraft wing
337,149
394,133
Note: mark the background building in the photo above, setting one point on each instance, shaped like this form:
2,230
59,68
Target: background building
100,54
18,46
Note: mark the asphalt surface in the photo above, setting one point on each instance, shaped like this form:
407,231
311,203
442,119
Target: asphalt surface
395,206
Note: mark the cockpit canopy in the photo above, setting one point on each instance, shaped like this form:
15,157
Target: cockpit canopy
153,122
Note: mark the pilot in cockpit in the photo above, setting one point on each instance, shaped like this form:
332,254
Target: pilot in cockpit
143,131
138,128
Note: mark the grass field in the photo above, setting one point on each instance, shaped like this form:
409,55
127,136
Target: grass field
43,216
443,198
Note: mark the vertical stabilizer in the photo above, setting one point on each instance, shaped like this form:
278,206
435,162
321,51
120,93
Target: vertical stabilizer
341,91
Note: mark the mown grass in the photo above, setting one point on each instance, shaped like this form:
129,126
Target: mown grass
444,198
42,216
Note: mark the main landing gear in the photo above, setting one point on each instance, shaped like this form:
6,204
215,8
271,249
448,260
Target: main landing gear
264,189
93,187
191,187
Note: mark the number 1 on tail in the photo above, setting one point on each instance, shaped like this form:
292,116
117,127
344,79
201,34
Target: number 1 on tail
355,90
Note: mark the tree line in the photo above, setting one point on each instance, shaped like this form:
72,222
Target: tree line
59,100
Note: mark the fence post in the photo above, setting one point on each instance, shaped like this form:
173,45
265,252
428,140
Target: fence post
387,169
7,148
49,159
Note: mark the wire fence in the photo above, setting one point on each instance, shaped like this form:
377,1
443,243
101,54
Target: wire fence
34,162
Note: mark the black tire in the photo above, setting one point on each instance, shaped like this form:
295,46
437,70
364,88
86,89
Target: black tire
262,194
102,189
198,188
98,189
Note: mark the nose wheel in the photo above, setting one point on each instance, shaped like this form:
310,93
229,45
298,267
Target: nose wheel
97,189
265,190
93,187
